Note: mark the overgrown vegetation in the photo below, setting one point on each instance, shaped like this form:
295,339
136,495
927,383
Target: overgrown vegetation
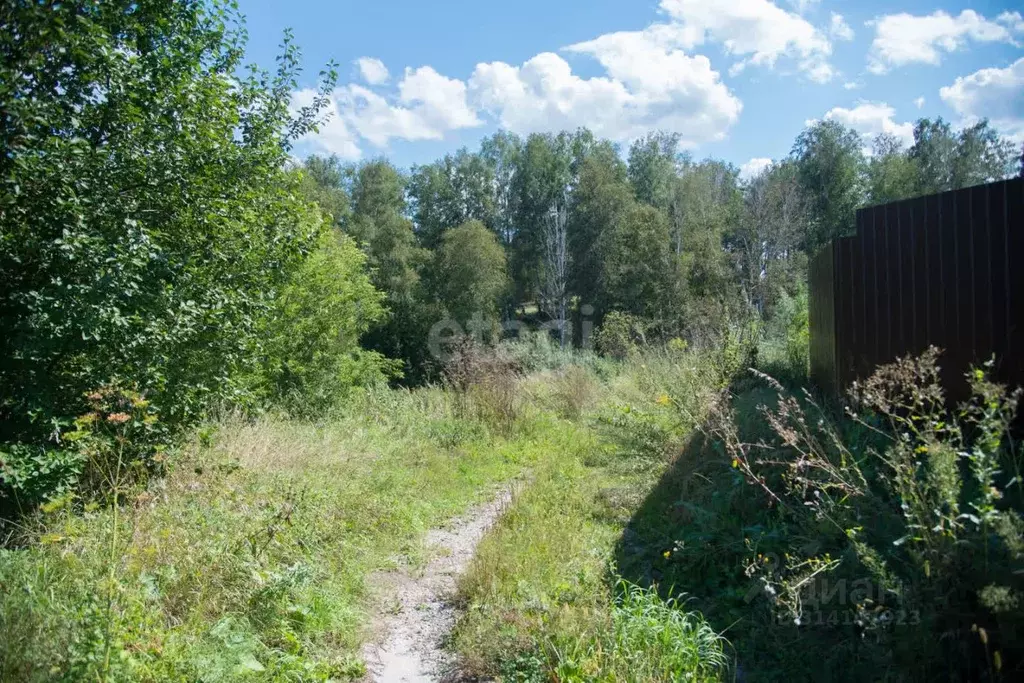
202,463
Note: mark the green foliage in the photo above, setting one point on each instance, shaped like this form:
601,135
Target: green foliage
153,236
452,191
323,180
469,275
601,197
652,168
829,158
636,273
948,160
650,639
313,357
892,173
396,262
619,335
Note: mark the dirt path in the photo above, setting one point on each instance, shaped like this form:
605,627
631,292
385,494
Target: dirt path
419,614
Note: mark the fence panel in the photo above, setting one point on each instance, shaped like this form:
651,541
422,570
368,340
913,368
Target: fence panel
944,270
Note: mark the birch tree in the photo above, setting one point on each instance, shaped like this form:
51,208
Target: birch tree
554,288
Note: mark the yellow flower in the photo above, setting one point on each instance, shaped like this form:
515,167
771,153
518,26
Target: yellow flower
666,554
663,400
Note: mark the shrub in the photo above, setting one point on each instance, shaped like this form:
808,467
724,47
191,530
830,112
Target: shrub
486,383
146,235
313,358
619,335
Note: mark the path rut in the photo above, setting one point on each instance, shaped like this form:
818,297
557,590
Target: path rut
421,613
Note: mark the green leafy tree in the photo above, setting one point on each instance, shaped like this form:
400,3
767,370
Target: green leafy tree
652,168
313,358
830,161
451,191
502,153
766,239
892,173
540,184
601,197
324,182
147,216
636,268
982,156
948,160
934,151
396,262
470,274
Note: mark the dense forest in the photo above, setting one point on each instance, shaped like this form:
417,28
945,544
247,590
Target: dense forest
566,227
192,317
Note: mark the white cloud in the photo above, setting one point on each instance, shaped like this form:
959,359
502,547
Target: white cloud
1012,20
333,136
758,31
651,79
919,102
428,106
372,70
905,38
753,167
839,29
802,6
871,118
852,85
996,94
646,86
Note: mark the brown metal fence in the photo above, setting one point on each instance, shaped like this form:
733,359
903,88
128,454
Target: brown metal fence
944,270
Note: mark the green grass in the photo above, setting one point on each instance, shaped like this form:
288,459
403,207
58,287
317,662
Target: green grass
543,598
249,561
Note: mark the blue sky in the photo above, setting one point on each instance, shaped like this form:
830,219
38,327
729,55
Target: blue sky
738,80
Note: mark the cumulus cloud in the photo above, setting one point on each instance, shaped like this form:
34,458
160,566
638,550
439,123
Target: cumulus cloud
919,102
996,94
651,79
906,39
757,31
334,136
428,105
646,87
372,70
754,167
839,29
871,118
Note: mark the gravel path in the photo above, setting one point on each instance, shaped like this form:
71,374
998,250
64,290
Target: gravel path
420,614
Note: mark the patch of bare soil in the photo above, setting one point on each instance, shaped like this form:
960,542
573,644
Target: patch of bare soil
417,610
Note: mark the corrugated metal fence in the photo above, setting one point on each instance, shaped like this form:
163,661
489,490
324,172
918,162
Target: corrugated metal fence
944,270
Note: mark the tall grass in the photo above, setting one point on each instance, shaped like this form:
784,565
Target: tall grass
249,559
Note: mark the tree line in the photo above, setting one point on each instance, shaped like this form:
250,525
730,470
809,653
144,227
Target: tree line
572,225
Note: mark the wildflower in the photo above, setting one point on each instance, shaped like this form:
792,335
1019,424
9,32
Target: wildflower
663,400
667,554
118,418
